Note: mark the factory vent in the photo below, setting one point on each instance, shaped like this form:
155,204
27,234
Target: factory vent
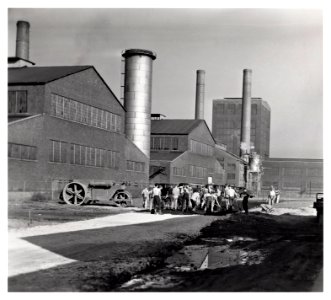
21,57
138,96
245,140
200,95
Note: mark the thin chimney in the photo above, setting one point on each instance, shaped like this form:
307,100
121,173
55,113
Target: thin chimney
200,95
245,144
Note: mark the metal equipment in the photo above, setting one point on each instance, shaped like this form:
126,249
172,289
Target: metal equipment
78,193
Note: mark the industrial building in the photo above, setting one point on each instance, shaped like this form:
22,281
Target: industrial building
294,177
65,123
226,124
183,151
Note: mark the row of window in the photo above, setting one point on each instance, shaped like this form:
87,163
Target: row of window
232,108
178,171
135,166
23,152
201,148
164,143
72,110
198,172
312,172
295,184
83,155
227,126
17,102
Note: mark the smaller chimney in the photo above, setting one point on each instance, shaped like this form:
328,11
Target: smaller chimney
245,144
200,95
22,39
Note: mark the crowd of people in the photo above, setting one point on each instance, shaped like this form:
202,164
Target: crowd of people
186,198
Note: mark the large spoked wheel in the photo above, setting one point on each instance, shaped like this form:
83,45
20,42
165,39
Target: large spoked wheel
123,198
74,193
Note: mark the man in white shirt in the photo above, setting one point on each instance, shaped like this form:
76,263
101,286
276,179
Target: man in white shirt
156,193
174,198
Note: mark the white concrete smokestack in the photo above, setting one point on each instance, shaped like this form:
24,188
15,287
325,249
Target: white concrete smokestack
138,96
22,39
200,95
245,143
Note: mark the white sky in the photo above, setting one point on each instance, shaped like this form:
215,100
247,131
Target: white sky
283,47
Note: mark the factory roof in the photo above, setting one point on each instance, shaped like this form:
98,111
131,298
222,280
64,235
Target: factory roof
167,156
174,126
14,59
41,75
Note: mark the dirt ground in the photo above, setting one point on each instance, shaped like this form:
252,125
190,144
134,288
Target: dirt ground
289,240
27,213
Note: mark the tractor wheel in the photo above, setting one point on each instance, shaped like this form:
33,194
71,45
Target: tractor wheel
123,198
74,193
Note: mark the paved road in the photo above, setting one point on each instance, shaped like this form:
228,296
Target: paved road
124,236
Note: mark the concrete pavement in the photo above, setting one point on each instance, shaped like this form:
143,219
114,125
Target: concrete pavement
26,257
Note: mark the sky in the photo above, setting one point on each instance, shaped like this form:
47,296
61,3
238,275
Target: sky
283,47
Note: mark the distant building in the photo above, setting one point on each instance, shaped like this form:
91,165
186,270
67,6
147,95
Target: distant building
233,165
294,177
226,124
184,151
65,123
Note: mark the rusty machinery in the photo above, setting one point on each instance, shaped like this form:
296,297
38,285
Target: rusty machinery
78,193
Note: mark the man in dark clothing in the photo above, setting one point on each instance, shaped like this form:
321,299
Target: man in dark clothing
246,195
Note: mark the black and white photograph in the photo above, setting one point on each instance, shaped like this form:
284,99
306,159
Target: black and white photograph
165,149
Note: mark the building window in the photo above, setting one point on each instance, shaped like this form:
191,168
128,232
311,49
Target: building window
178,171
17,102
231,176
292,171
254,109
315,172
75,111
201,148
58,151
22,152
164,143
231,108
135,166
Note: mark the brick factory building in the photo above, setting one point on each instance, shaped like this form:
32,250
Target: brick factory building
184,151
226,124
65,123
294,177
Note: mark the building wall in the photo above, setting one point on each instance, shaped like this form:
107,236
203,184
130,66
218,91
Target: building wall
295,178
227,124
184,162
44,131
233,166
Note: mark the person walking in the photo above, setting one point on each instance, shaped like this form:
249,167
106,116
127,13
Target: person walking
246,195
174,198
145,196
232,194
156,192
195,200
186,199
271,196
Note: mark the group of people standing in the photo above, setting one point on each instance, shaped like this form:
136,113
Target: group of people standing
210,198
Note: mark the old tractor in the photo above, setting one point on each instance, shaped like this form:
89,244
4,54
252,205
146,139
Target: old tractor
78,193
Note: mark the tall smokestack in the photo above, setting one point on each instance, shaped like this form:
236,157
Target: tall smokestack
22,39
138,96
200,95
245,144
